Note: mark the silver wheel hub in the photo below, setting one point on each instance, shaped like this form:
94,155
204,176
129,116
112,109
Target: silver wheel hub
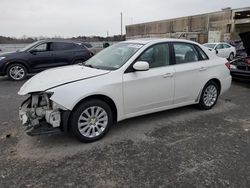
17,72
210,95
93,121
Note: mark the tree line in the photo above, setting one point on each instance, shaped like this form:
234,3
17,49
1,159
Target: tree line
23,40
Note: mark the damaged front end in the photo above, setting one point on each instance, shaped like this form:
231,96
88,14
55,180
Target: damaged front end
40,115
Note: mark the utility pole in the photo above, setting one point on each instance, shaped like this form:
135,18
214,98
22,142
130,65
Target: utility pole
121,24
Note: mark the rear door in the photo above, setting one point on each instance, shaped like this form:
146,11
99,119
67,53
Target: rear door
190,71
65,52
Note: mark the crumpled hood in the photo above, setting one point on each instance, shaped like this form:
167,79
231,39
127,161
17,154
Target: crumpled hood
59,76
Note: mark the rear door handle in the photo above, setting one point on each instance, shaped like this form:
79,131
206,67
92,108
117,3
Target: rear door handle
170,74
203,68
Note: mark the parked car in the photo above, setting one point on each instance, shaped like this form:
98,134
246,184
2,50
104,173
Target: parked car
42,55
125,80
91,48
222,49
240,67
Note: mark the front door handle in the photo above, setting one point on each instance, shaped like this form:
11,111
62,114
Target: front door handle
203,68
170,74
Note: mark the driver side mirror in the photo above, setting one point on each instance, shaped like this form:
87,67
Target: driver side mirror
33,51
216,51
141,66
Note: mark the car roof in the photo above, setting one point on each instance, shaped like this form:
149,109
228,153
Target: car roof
217,43
60,40
145,41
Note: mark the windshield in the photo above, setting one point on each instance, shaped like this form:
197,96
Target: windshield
113,57
28,46
209,45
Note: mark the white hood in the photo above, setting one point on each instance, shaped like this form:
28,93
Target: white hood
58,76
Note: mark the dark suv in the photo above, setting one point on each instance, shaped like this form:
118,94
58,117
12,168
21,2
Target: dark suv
42,55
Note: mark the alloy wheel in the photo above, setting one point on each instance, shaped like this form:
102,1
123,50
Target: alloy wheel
210,95
17,72
93,121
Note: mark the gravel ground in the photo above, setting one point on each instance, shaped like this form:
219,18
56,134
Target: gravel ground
184,147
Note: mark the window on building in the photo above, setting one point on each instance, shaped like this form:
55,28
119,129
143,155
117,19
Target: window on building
242,15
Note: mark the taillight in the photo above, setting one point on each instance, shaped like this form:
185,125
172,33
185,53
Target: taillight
228,65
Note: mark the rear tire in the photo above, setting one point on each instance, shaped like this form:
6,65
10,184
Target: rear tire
231,56
209,96
16,72
91,120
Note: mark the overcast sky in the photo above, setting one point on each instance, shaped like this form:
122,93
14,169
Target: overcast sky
69,18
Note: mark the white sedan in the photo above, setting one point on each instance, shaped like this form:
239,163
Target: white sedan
128,79
224,50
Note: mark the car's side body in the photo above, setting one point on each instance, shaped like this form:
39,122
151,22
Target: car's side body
142,92
222,49
45,54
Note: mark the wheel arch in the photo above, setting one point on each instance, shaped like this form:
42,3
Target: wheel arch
16,62
216,80
102,97
78,58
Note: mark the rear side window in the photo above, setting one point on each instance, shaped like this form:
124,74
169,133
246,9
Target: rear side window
61,46
185,53
203,55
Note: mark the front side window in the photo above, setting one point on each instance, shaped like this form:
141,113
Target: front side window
156,56
185,53
41,47
113,57
226,46
219,46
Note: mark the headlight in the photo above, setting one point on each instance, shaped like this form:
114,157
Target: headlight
1,58
233,67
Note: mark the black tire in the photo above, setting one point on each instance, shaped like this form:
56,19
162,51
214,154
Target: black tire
203,103
78,61
80,110
231,56
19,67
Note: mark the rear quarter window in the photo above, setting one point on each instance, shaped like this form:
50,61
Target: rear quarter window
61,46
202,54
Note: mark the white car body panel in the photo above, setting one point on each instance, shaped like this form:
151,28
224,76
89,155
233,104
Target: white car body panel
135,93
57,76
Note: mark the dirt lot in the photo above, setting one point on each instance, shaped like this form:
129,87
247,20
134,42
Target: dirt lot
184,147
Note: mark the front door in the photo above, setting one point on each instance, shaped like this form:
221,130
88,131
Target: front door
147,91
41,57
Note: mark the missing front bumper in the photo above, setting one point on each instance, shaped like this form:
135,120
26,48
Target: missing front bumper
39,119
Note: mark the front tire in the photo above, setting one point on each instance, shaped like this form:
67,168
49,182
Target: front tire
209,96
16,72
91,120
